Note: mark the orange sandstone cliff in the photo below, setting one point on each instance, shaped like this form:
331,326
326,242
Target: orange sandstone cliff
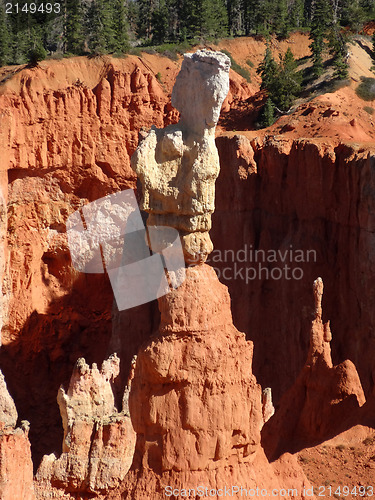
68,131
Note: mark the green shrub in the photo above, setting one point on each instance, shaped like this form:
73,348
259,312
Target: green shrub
158,76
36,54
369,110
135,51
335,85
250,63
57,56
172,50
244,72
366,89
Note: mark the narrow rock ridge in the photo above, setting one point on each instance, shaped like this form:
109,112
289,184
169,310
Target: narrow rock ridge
323,399
178,165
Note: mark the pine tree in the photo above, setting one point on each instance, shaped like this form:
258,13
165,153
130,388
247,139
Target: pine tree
296,14
120,26
160,24
214,19
268,114
21,39
5,40
189,14
144,18
322,18
235,17
286,84
73,29
36,51
281,24
339,49
253,15
101,27
267,69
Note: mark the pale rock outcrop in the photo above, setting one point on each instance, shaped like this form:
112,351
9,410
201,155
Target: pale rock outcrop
267,406
98,442
8,411
178,165
16,468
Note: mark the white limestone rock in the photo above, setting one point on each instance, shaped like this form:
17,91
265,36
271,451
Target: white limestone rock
178,165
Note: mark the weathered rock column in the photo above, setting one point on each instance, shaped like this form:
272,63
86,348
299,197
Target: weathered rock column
178,165
194,402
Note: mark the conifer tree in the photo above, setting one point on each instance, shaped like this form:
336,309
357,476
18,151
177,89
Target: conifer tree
120,26
189,14
235,16
74,33
321,19
214,19
253,15
287,83
21,43
339,50
5,39
281,81
297,14
267,69
268,114
145,12
281,24
101,27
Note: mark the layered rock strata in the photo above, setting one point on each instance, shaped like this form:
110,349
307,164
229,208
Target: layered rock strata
310,204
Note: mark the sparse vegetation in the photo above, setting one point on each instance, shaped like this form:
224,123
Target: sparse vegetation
158,77
172,50
36,54
335,85
267,116
369,110
369,440
341,447
244,72
366,89
304,459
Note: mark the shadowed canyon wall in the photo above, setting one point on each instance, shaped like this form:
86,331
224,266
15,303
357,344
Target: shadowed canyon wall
301,195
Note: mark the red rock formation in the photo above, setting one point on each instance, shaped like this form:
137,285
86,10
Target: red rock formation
323,398
194,402
16,468
302,195
68,129
62,140
98,441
